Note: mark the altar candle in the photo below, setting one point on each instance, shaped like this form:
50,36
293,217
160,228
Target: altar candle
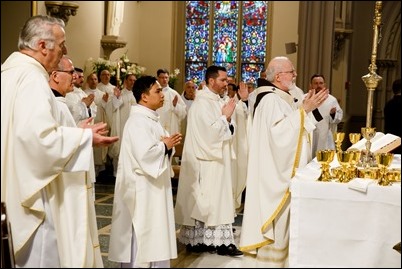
118,72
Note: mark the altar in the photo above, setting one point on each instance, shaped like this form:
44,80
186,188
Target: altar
335,225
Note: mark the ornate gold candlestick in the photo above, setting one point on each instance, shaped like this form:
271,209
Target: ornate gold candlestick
371,79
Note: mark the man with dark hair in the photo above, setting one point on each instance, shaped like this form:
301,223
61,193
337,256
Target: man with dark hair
331,113
262,81
392,112
143,230
232,90
204,205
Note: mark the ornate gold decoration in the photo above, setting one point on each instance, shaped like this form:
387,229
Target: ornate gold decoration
368,133
371,80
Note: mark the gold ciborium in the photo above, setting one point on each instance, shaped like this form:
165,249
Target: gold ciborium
354,138
371,172
394,175
338,139
344,158
325,157
368,133
384,160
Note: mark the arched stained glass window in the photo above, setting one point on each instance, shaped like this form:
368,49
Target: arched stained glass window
232,34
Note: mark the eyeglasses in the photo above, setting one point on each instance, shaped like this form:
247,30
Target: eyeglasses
71,72
288,72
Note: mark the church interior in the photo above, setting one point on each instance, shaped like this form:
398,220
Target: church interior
339,39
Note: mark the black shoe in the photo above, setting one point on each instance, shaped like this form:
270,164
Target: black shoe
189,248
211,249
193,249
230,250
199,248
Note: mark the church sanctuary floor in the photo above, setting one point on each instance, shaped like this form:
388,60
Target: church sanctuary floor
104,189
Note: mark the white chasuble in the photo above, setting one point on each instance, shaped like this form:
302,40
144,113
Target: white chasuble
119,118
205,183
143,198
172,116
98,109
279,144
76,106
240,147
35,150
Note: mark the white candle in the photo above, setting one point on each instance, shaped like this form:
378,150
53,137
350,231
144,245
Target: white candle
118,72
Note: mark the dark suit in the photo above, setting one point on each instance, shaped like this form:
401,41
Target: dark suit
392,112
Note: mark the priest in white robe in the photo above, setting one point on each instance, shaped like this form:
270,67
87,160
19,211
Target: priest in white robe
124,101
98,110
204,204
35,150
174,110
240,141
143,228
77,201
78,101
280,143
332,114
188,96
105,86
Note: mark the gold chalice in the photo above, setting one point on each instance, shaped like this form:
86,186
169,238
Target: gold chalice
353,162
344,158
384,160
338,139
354,138
325,157
368,133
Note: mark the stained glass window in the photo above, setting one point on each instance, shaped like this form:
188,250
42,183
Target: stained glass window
232,34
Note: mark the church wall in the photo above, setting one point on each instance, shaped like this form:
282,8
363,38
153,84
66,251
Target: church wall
148,29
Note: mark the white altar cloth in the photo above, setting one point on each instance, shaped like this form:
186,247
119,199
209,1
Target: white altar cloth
332,225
